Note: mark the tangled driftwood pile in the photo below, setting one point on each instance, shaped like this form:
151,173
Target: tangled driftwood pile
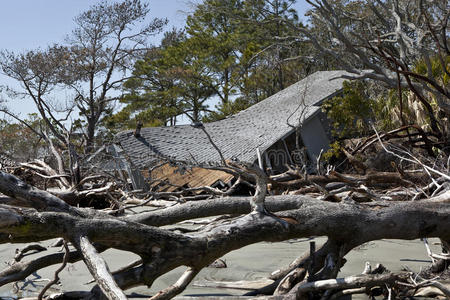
349,208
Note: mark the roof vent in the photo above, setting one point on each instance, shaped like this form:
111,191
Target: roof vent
137,132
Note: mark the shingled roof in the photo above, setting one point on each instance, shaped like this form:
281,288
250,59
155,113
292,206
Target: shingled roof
237,136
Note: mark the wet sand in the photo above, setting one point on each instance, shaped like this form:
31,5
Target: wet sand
249,263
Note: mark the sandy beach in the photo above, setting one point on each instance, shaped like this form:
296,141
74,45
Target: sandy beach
248,263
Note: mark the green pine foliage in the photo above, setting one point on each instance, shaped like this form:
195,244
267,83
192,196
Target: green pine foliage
362,105
352,112
233,53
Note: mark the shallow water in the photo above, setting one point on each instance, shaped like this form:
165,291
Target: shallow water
248,263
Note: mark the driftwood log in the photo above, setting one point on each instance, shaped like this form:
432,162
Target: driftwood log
43,216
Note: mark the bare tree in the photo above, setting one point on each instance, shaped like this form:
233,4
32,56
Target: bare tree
87,71
28,214
393,39
104,42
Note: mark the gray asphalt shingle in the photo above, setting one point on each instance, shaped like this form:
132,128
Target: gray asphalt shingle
238,136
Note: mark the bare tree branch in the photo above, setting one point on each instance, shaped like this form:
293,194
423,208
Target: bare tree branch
99,269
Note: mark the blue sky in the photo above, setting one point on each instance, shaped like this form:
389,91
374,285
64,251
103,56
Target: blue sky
31,24
28,24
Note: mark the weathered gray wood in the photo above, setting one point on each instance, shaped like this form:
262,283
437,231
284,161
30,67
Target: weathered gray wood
23,269
177,287
12,186
240,285
213,207
359,223
99,269
445,289
162,250
284,297
350,282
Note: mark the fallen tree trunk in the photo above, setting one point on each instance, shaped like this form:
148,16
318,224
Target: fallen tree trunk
166,250
347,224
369,179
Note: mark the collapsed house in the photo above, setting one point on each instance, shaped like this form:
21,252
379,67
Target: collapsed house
288,127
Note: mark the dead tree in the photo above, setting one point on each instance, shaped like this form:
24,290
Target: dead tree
392,39
30,215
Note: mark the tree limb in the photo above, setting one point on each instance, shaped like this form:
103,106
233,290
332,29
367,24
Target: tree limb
99,269
177,287
56,278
